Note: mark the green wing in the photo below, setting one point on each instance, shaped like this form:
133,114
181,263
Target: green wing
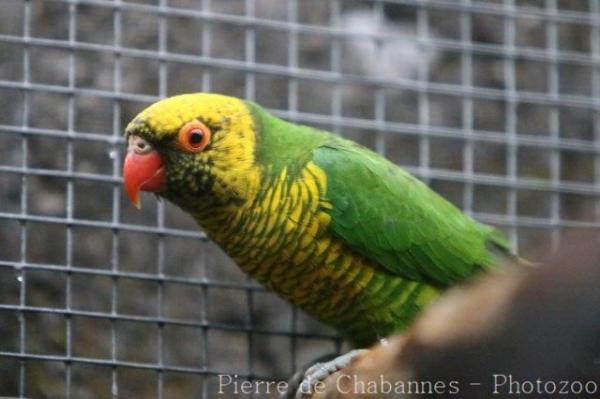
393,218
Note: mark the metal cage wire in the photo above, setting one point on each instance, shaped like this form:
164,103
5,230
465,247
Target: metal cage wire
498,109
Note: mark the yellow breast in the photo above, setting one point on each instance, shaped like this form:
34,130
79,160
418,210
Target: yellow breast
280,238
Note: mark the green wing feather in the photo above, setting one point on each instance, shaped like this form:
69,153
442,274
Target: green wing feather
391,217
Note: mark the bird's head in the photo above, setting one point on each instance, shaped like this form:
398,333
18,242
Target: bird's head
190,148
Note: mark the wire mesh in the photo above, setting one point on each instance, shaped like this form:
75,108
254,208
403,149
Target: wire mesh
495,104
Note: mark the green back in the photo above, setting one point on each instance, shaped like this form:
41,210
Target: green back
280,141
393,218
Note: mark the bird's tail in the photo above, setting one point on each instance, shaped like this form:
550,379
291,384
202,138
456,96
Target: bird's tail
500,248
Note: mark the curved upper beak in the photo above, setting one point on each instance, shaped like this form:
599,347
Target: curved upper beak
143,169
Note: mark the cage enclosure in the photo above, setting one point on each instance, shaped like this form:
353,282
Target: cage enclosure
494,104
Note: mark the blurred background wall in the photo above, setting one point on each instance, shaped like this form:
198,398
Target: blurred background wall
494,103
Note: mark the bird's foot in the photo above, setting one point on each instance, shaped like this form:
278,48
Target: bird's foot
321,370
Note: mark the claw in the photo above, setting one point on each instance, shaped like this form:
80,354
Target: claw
319,371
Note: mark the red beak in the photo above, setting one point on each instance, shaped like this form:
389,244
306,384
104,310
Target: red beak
143,171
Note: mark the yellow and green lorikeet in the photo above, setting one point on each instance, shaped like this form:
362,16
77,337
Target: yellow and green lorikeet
332,227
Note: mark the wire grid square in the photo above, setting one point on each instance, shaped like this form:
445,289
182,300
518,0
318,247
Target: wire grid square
494,104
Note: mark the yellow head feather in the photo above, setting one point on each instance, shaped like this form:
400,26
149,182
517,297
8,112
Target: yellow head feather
232,161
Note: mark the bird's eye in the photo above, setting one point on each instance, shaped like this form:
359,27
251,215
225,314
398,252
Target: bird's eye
194,136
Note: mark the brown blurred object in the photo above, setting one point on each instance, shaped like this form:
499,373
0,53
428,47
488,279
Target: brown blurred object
542,324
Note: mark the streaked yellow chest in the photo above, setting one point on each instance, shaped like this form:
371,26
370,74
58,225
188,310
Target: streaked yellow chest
281,239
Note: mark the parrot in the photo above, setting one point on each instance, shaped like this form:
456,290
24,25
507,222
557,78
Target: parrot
332,227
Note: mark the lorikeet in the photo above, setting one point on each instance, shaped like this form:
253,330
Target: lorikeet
332,227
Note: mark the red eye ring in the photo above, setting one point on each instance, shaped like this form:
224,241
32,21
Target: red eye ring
194,136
